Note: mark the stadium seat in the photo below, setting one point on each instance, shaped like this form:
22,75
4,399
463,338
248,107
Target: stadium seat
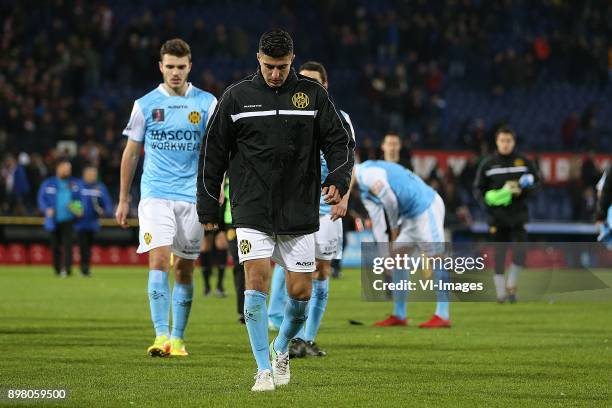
2,255
16,254
40,254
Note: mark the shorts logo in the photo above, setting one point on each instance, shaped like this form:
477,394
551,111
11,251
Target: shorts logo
194,117
245,246
158,115
304,263
300,100
147,238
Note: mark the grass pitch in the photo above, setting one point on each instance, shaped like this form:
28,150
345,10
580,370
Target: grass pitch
90,336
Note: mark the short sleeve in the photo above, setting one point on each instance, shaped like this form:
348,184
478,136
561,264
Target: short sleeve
211,110
135,128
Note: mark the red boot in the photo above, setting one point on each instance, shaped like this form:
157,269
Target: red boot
436,322
391,321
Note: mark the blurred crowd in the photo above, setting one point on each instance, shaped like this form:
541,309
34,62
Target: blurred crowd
70,70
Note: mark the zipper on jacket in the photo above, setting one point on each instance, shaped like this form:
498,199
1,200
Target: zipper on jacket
274,205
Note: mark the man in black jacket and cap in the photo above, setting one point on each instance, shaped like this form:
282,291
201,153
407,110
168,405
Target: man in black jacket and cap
266,132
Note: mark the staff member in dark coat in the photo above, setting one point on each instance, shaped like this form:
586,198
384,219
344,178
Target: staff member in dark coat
505,181
96,203
59,200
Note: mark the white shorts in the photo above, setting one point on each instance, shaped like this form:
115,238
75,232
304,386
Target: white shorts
294,253
169,223
425,228
328,240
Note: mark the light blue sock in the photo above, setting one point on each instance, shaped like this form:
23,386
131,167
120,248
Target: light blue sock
442,309
301,334
399,296
182,296
295,316
278,296
257,326
316,308
159,301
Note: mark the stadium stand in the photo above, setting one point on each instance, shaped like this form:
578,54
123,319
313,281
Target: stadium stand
442,73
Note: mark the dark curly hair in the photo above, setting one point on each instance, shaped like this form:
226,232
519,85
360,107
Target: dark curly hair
276,43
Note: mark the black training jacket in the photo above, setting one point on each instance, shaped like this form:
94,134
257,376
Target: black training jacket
269,139
492,174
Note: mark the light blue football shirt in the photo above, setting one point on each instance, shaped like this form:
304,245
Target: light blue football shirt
413,195
324,208
172,129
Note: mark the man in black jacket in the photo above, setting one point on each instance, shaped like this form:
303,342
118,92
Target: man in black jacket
505,181
267,131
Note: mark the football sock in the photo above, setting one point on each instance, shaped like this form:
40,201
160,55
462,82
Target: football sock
442,295
500,285
206,261
295,316
257,327
182,296
301,334
221,261
278,296
159,301
399,296
513,274
316,308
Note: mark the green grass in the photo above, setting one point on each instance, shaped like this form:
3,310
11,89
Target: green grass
90,335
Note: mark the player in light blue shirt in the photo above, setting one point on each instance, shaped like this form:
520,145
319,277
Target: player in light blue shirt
328,246
169,122
404,208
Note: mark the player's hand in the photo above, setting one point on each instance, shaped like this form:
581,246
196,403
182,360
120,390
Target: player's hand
332,195
394,234
221,197
123,209
513,186
209,226
50,212
598,225
339,210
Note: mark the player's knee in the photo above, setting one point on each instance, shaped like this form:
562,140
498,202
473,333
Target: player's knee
255,282
183,271
159,261
322,271
257,274
300,289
